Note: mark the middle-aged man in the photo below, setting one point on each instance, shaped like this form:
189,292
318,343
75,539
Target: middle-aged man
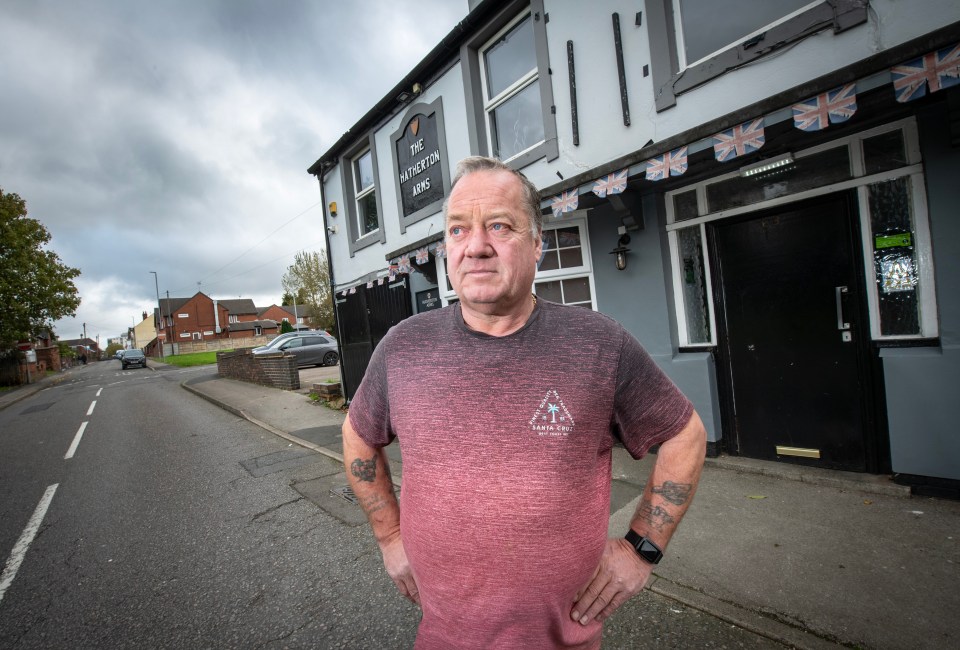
507,408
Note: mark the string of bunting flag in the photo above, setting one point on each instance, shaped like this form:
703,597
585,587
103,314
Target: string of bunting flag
912,79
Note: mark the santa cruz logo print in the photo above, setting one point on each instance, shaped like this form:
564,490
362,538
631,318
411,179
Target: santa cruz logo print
552,417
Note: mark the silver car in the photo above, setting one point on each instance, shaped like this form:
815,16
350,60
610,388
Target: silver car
310,349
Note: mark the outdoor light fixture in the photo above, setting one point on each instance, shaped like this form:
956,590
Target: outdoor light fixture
766,165
620,252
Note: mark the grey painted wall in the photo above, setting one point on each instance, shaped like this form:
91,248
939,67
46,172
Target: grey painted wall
922,383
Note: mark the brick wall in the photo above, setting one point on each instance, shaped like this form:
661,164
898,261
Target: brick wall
187,347
277,370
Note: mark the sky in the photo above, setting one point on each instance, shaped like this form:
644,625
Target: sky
175,136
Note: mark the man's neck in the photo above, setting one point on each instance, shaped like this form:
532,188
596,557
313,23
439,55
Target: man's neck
494,321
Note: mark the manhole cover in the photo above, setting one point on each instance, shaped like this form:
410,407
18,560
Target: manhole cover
345,492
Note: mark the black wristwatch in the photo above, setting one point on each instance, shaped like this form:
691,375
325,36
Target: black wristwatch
644,547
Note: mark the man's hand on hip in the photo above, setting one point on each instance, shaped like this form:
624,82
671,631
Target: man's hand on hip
621,575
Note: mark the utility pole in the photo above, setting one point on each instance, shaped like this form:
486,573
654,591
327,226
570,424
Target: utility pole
173,334
156,283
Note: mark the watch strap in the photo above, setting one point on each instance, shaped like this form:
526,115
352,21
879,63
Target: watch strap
644,547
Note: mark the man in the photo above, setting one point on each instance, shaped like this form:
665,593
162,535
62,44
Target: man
506,409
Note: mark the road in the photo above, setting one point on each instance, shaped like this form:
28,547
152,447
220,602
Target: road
138,515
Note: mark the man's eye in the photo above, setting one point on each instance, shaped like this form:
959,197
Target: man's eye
499,227
456,231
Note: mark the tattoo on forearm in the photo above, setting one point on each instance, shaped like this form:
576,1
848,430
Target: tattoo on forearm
655,516
373,503
365,470
675,493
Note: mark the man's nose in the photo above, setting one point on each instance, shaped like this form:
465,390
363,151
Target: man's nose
478,243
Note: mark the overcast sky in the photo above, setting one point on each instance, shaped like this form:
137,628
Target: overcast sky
175,136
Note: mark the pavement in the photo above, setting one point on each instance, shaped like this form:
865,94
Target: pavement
805,557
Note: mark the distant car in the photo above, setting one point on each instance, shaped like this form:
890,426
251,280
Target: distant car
310,349
133,358
119,354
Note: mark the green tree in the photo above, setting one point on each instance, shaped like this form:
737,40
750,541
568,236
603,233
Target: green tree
285,327
36,288
309,278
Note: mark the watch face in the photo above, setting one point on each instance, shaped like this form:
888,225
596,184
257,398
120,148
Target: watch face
649,551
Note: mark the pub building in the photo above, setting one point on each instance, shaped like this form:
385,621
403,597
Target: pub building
766,199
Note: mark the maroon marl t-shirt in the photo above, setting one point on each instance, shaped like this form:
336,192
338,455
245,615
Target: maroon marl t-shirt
506,446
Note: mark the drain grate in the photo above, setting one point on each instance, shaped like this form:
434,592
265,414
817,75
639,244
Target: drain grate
345,492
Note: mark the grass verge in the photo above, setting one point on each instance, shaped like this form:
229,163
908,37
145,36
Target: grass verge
194,359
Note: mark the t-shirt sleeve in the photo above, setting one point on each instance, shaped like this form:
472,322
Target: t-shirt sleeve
370,408
648,408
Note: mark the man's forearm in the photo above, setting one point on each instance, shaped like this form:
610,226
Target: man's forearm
672,484
368,472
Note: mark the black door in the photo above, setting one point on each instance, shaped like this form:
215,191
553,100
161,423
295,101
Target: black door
794,340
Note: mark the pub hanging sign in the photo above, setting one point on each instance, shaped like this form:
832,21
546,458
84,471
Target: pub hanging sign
420,161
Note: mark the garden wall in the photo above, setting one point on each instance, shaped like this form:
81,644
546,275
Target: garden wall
277,370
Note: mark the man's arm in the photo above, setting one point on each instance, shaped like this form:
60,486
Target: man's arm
666,497
368,472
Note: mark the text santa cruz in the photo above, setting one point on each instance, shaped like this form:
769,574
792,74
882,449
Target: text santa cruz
419,167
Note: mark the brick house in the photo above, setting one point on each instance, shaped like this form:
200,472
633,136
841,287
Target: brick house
296,316
201,318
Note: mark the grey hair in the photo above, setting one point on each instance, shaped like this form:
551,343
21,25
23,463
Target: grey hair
530,195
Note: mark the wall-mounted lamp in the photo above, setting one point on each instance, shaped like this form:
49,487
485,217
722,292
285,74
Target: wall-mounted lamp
332,229
620,252
333,208
417,89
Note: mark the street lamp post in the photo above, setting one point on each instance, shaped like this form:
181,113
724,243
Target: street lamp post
159,313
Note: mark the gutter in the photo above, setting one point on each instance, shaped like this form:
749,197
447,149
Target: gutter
324,168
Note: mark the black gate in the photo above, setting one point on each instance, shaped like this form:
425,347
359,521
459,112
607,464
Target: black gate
364,319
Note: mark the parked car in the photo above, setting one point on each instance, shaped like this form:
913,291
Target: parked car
133,358
310,349
119,354
279,339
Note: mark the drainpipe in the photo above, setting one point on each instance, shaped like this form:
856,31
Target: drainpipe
216,317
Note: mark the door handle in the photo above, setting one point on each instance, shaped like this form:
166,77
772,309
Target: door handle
841,323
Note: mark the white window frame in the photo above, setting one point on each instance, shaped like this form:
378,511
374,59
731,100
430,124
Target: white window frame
681,37
362,192
927,303
490,104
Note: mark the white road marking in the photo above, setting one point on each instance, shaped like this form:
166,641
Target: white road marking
26,538
90,410
75,443
98,392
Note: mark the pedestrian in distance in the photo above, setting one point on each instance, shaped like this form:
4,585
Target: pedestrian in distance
506,408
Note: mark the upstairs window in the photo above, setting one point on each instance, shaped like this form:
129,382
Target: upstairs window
366,194
709,26
508,89
358,175
511,94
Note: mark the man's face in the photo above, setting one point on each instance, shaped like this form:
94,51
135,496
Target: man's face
491,253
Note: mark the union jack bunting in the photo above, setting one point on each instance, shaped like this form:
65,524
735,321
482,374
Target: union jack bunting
379,282
352,290
404,264
391,272
614,183
938,69
423,255
673,163
370,284
740,140
440,250
565,202
831,107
